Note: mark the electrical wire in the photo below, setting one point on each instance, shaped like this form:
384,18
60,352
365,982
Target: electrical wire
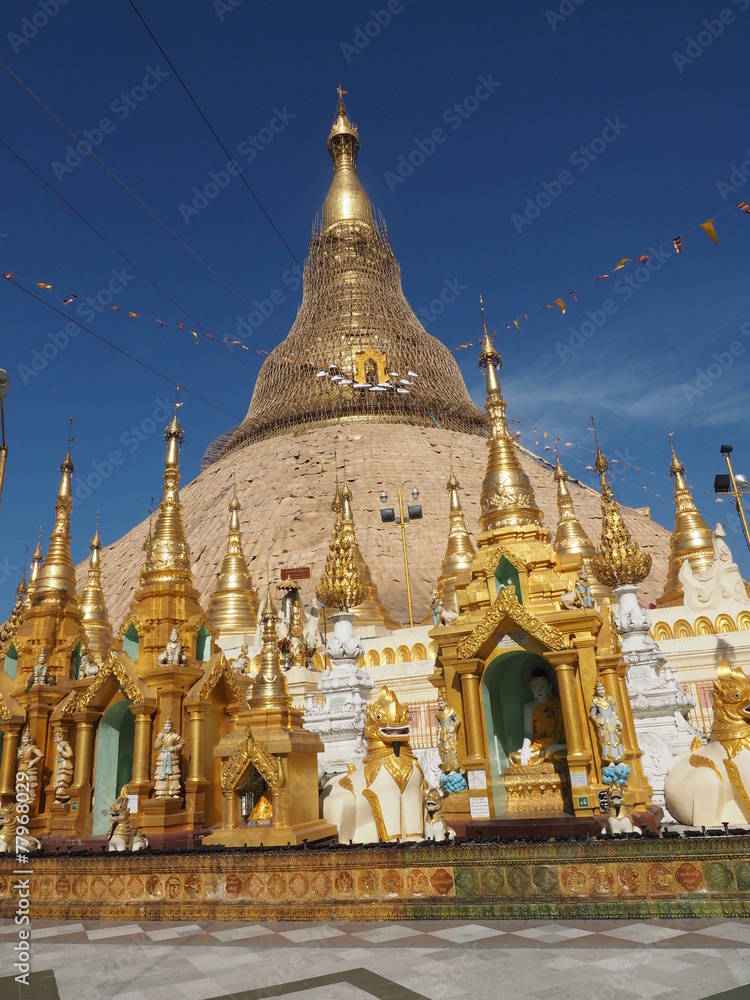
212,131
140,201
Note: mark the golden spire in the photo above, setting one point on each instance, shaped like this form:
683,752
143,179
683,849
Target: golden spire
269,687
371,609
459,552
506,497
691,539
570,539
233,607
9,629
342,585
619,560
58,576
167,549
36,566
93,606
346,198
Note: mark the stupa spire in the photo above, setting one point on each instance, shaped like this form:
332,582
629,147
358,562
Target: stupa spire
346,199
459,551
233,607
269,687
58,576
37,558
342,585
167,549
571,541
691,539
507,497
619,560
96,622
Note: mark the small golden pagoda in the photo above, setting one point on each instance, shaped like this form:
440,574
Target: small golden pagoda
36,566
512,628
342,585
692,539
95,618
233,607
269,762
619,560
459,551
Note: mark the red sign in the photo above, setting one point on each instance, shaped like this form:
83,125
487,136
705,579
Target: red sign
296,573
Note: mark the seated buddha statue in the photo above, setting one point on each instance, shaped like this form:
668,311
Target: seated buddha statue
543,731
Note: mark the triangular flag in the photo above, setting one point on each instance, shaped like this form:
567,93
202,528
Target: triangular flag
677,244
43,284
744,207
561,304
709,229
132,315
517,325
623,262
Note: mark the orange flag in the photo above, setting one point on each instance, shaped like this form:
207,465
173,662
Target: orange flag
43,284
623,262
561,304
709,229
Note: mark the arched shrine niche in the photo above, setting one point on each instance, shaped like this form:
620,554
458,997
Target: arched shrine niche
113,765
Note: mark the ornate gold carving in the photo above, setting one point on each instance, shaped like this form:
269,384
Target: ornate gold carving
506,604
377,813
342,583
739,789
5,714
111,668
731,700
360,366
221,669
131,619
698,760
495,554
536,788
346,782
251,753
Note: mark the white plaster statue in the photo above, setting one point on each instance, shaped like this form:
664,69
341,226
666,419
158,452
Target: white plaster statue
172,656
544,733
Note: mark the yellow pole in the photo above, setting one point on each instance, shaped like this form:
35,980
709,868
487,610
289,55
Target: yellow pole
406,559
737,495
3,448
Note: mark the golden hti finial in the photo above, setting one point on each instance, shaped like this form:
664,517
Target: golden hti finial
507,498
96,624
269,687
233,606
691,539
347,200
58,576
570,539
342,585
37,558
619,561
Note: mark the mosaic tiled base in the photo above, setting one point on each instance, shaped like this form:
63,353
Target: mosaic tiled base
706,877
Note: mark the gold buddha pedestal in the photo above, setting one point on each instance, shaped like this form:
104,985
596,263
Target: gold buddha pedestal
538,788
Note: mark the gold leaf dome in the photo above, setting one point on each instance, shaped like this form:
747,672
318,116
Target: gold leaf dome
354,327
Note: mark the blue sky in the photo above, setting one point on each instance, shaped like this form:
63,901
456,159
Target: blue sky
602,132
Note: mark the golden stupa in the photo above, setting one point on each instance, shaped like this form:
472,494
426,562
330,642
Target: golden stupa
372,417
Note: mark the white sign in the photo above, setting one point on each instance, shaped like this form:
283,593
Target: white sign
578,779
479,807
133,803
477,779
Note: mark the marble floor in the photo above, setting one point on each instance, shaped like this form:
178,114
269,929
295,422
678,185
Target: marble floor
563,960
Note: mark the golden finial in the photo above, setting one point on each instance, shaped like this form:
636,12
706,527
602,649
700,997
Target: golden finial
233,606
570,538
96,623
346,201
459,551
270,687
506,497
619,561
58,576
691,539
